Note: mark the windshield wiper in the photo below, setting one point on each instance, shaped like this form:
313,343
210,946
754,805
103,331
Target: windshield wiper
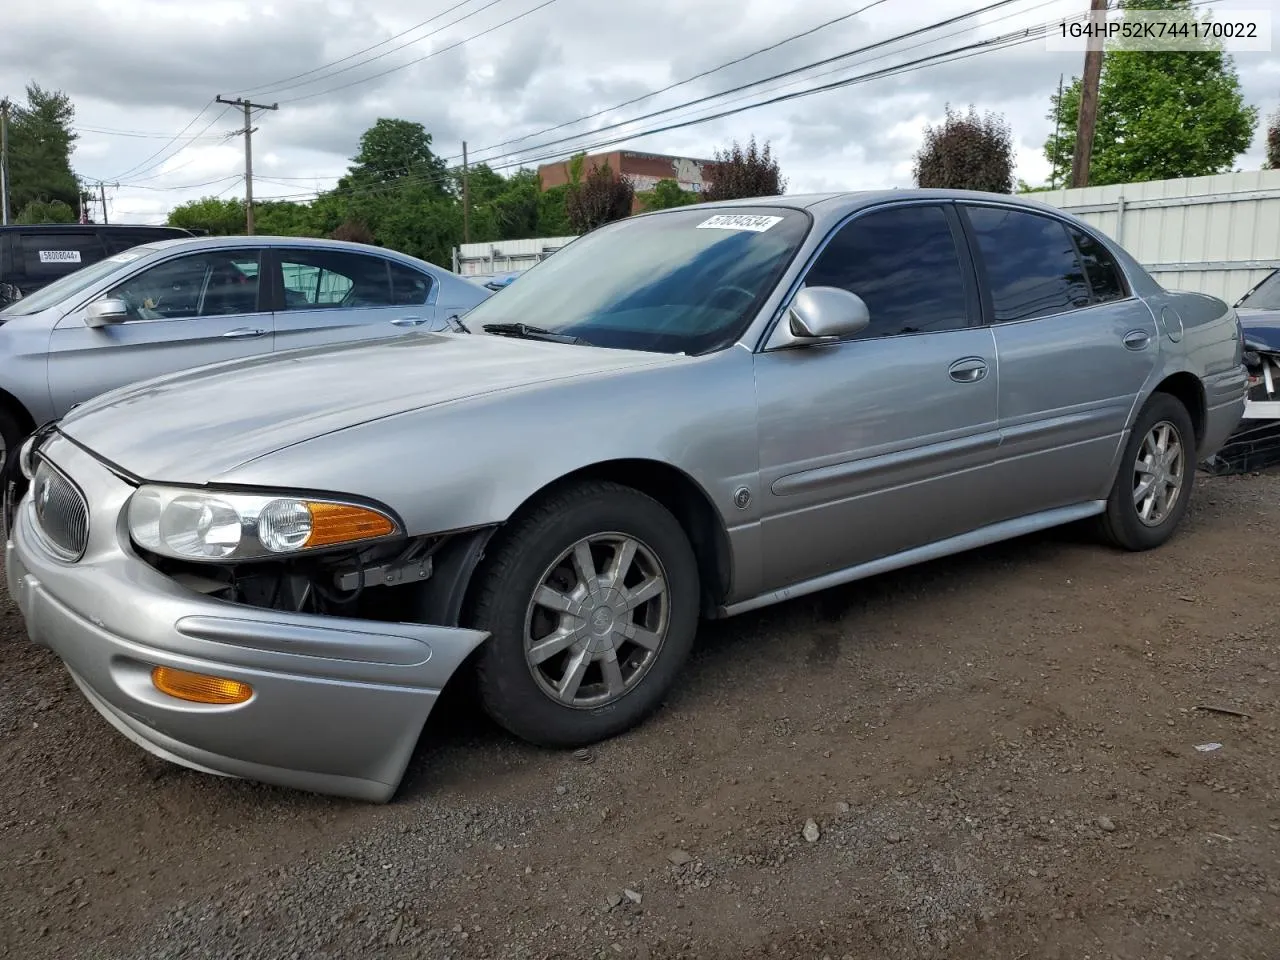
527,332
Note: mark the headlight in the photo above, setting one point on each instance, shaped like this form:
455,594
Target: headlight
216,527
25,460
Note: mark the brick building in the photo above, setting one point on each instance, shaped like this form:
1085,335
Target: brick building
644,170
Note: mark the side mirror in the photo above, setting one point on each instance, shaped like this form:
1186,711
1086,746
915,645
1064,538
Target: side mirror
102,313
822,313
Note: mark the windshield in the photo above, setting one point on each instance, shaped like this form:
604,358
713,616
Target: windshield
71,284
1265,296
683,281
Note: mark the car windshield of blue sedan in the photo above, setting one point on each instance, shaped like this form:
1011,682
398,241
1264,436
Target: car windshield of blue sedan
1265,296
682,281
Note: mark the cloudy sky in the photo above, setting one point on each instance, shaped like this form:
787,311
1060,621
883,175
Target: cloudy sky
141,72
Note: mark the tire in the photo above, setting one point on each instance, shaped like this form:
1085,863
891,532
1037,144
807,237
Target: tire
1122,524
518,694
12,435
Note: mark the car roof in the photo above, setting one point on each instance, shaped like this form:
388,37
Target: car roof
319,243
849,200
91,228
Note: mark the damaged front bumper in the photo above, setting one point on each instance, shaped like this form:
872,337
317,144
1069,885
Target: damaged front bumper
337,704
1255,443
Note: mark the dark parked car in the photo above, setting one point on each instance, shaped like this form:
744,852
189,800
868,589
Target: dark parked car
33,256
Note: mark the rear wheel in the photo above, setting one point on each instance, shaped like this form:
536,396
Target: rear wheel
1152,489
591,602
12,434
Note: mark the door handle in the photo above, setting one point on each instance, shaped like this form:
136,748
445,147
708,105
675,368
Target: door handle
968,370
243,333
408,321
1136,340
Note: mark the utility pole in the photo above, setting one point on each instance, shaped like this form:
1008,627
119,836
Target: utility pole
1057,132
4,161
466,196
1088,104
248,153
102,195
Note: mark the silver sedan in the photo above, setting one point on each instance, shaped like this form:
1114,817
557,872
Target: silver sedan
174,304
271,568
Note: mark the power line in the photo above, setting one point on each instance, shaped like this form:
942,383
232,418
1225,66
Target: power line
977,48
786,73
286,83
690,79
140,168
135,134
433,53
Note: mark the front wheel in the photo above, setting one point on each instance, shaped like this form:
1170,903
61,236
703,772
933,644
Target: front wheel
1153,487
591,603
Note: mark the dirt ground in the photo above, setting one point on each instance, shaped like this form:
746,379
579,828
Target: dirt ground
998,752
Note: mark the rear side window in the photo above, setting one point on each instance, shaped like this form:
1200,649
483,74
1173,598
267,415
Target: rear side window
324,279
1100,267
408,286
1031,264
45,257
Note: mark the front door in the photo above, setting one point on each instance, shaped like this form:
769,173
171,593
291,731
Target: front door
194,309
338,296
878,444
1075,350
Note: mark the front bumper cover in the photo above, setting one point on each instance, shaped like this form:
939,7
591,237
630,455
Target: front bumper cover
337,706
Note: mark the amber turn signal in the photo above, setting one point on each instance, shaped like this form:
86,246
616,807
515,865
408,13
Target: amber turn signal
200,687
335,523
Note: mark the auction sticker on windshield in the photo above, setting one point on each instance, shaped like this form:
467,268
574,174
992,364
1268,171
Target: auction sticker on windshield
739,221
59,256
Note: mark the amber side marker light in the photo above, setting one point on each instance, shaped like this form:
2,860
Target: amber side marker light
199,687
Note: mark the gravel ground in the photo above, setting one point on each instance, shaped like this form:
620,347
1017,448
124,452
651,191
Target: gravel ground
993,755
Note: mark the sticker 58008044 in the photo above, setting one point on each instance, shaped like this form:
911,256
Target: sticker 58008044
756,223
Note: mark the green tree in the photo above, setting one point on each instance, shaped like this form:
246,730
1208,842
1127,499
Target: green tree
597,198
1161,114
553,212
1273,142
218,216
740,172
40,144
967,152
665,195
393,150
45,211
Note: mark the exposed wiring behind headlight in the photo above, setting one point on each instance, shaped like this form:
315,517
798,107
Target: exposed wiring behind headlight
223,526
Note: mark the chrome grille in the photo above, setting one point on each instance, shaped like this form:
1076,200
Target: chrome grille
62,513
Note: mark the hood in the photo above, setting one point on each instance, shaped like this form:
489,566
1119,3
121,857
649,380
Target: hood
190,426
1261,327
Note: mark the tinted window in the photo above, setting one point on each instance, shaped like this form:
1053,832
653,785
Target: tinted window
903,263
198,285
1265,296
686,280
44,257
119,240
408,286
318,279
1100,267
1031,264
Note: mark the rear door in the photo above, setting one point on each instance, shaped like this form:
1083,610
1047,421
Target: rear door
1074,346
337,296
187,311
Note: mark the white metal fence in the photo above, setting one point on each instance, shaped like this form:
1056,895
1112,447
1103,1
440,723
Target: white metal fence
1218,235
503,256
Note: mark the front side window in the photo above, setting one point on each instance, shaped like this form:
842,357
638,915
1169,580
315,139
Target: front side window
1031,264
904,264
681,281
210,284
324,279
